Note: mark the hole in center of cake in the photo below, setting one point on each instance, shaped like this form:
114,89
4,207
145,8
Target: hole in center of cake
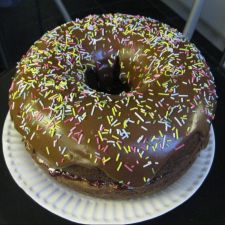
105,77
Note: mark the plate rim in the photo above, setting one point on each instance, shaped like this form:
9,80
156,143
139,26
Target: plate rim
68,216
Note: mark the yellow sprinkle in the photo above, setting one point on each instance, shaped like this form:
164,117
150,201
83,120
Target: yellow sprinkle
163,93
118,168
53,96
153,171
144,178
119,114
95,160
160,133
119,146
90,155
128,100
115,137
47,150
60,65
52,131
117,157
108,120
105,160
140,155
113,111
117,124
158,83
67,156
100,135
153,138
89,140
126,150
125,124
149,107
177,135
167,112
151,115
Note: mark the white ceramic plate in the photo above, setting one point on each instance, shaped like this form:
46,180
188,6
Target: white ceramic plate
89,210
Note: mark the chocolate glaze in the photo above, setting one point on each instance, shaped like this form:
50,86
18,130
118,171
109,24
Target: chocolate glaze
130,136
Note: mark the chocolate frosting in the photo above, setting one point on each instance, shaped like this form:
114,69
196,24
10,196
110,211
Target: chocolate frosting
131,135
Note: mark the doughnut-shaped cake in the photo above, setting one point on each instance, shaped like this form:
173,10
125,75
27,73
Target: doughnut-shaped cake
113,105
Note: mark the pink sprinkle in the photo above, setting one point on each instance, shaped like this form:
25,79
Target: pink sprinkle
192,105
133,148
157,75
77,133
67,120
160,104
101,127
128,168
75,139
12,86
81,136
73,128
79,109
69,134
105,148
179,147
129,94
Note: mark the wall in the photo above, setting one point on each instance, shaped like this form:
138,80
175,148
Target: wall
212,21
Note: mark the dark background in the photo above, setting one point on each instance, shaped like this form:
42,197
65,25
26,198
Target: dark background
24,23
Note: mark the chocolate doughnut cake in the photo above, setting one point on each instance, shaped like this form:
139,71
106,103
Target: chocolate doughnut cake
113,105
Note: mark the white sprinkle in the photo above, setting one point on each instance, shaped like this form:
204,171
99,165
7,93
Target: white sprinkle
114,122
183,96
140,139
144,128
178,121
92,111
13,104
139,116
63,150
129,120
54,142
32,136
147,164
